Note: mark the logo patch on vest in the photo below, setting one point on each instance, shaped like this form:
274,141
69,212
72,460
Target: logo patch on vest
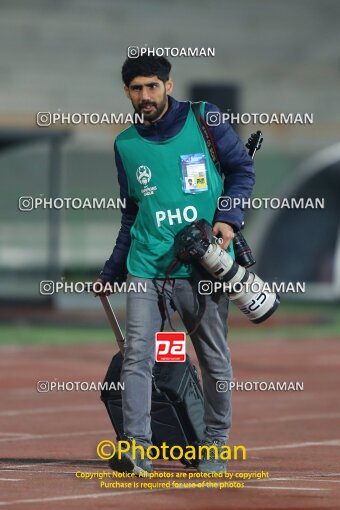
143,175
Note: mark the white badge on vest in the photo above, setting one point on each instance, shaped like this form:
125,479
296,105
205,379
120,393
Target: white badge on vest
194,173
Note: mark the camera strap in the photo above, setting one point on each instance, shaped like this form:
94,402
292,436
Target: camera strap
200,311
204,128
253,145
201,300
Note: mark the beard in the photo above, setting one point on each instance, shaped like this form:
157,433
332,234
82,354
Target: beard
155,112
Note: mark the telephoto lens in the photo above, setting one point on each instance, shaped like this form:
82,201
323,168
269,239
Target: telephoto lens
196,244
243,254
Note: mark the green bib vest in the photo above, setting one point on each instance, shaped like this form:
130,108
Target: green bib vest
155,182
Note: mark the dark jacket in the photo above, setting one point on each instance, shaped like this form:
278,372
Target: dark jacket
236,165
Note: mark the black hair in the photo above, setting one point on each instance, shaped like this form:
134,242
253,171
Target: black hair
145,66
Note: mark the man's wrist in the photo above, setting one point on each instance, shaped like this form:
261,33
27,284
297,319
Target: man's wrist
233,227
112,278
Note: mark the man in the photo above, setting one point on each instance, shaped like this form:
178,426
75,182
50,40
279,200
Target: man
154,159
190,183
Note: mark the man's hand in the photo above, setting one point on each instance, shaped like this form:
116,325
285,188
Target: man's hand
224,231
104,291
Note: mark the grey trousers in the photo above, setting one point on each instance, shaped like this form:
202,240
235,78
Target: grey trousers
145,317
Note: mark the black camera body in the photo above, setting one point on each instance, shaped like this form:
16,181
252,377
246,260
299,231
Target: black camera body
196,244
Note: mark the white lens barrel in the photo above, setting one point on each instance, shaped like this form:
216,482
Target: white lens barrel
246,289
254,300
216,261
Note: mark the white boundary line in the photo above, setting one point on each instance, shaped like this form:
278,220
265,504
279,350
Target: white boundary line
39,471
19,468
296,418
11,479
64,434
284,488
291,479
16,434
48,410
135,492
332,442
82,496
307,479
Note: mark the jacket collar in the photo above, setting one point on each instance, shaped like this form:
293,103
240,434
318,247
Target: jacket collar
161,126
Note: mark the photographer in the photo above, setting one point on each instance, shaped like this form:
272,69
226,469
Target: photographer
156,162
